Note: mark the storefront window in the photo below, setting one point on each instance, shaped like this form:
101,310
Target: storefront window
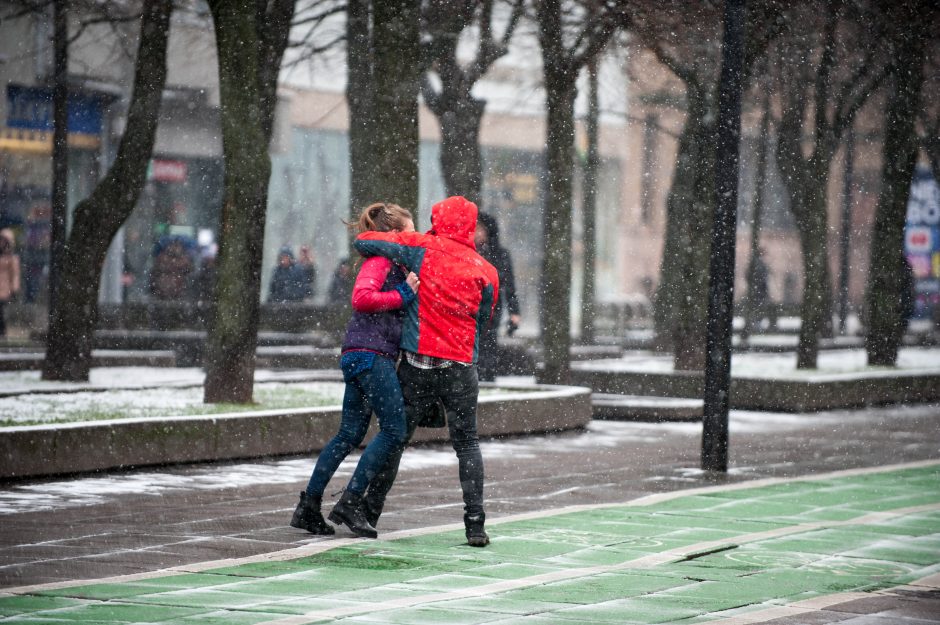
171,237
26,171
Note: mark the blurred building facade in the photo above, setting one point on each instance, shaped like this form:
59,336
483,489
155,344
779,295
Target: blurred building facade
309,190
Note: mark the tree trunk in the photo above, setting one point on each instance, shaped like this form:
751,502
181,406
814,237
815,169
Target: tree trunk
460,116
397,80
589,208
60,149
886,311
682,296
750,304
816,308
556,264
359,96
230,359
99,217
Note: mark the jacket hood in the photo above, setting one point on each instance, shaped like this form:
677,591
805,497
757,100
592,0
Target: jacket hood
455,218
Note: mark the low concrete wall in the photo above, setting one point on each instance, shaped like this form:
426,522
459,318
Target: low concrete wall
791,394
77,447
26,361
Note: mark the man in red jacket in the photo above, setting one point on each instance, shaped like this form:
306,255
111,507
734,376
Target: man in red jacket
440,340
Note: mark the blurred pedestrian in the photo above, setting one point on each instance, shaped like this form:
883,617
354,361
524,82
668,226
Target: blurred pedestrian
286,281
370,352
758,303
9,274
307,273
486,237
341,285
172,272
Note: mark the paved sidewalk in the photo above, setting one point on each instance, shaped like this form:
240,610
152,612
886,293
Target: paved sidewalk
859,546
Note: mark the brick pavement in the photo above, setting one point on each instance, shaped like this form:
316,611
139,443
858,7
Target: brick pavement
154,526
745,553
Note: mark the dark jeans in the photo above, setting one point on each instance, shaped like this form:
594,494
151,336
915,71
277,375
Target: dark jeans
3,323
424,389
375,389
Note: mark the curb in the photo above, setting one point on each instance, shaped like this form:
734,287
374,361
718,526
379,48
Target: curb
826,391
42,450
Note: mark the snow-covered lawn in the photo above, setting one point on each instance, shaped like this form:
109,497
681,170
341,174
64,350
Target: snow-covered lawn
140,377
137,392
764,365
44,408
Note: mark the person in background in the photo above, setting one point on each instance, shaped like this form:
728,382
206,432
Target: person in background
9,274
172,271
286,282
307,273
342,283
439,341
758,301
486,237
370,351
204,283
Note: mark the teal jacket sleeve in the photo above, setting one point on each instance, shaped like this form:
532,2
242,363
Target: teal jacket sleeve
404,248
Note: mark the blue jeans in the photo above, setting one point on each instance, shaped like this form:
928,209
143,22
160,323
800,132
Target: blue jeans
375,389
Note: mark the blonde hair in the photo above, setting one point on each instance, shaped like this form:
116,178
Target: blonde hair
382,217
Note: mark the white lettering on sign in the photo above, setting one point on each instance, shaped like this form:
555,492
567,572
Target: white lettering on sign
923,207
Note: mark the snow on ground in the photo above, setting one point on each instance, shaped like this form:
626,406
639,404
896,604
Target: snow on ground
170,399
137,377
598,436
38,408
765,365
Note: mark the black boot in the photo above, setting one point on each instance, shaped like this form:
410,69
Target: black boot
307,516
476,535
348,512
372,510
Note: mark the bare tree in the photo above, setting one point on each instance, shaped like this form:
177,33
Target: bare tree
384,70
889,297
251,36
74,309
589,179
458,111
830,62
928,125
570,37
687,42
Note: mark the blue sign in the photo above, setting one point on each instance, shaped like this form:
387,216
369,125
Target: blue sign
922,240
30,108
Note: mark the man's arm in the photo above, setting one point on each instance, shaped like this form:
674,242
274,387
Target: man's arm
404,248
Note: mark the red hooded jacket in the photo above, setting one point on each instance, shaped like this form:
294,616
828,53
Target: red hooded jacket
458,288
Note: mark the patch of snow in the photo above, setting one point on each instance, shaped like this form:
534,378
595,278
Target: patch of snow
21,498
139,403
833,364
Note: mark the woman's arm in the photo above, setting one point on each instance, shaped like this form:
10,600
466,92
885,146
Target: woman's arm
367,295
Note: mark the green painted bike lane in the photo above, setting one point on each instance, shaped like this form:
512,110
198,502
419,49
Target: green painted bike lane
686,559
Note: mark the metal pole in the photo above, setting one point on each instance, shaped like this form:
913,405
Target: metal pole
846,229
589,207
721,266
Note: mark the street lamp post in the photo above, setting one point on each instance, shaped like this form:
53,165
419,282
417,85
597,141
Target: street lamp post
846,230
